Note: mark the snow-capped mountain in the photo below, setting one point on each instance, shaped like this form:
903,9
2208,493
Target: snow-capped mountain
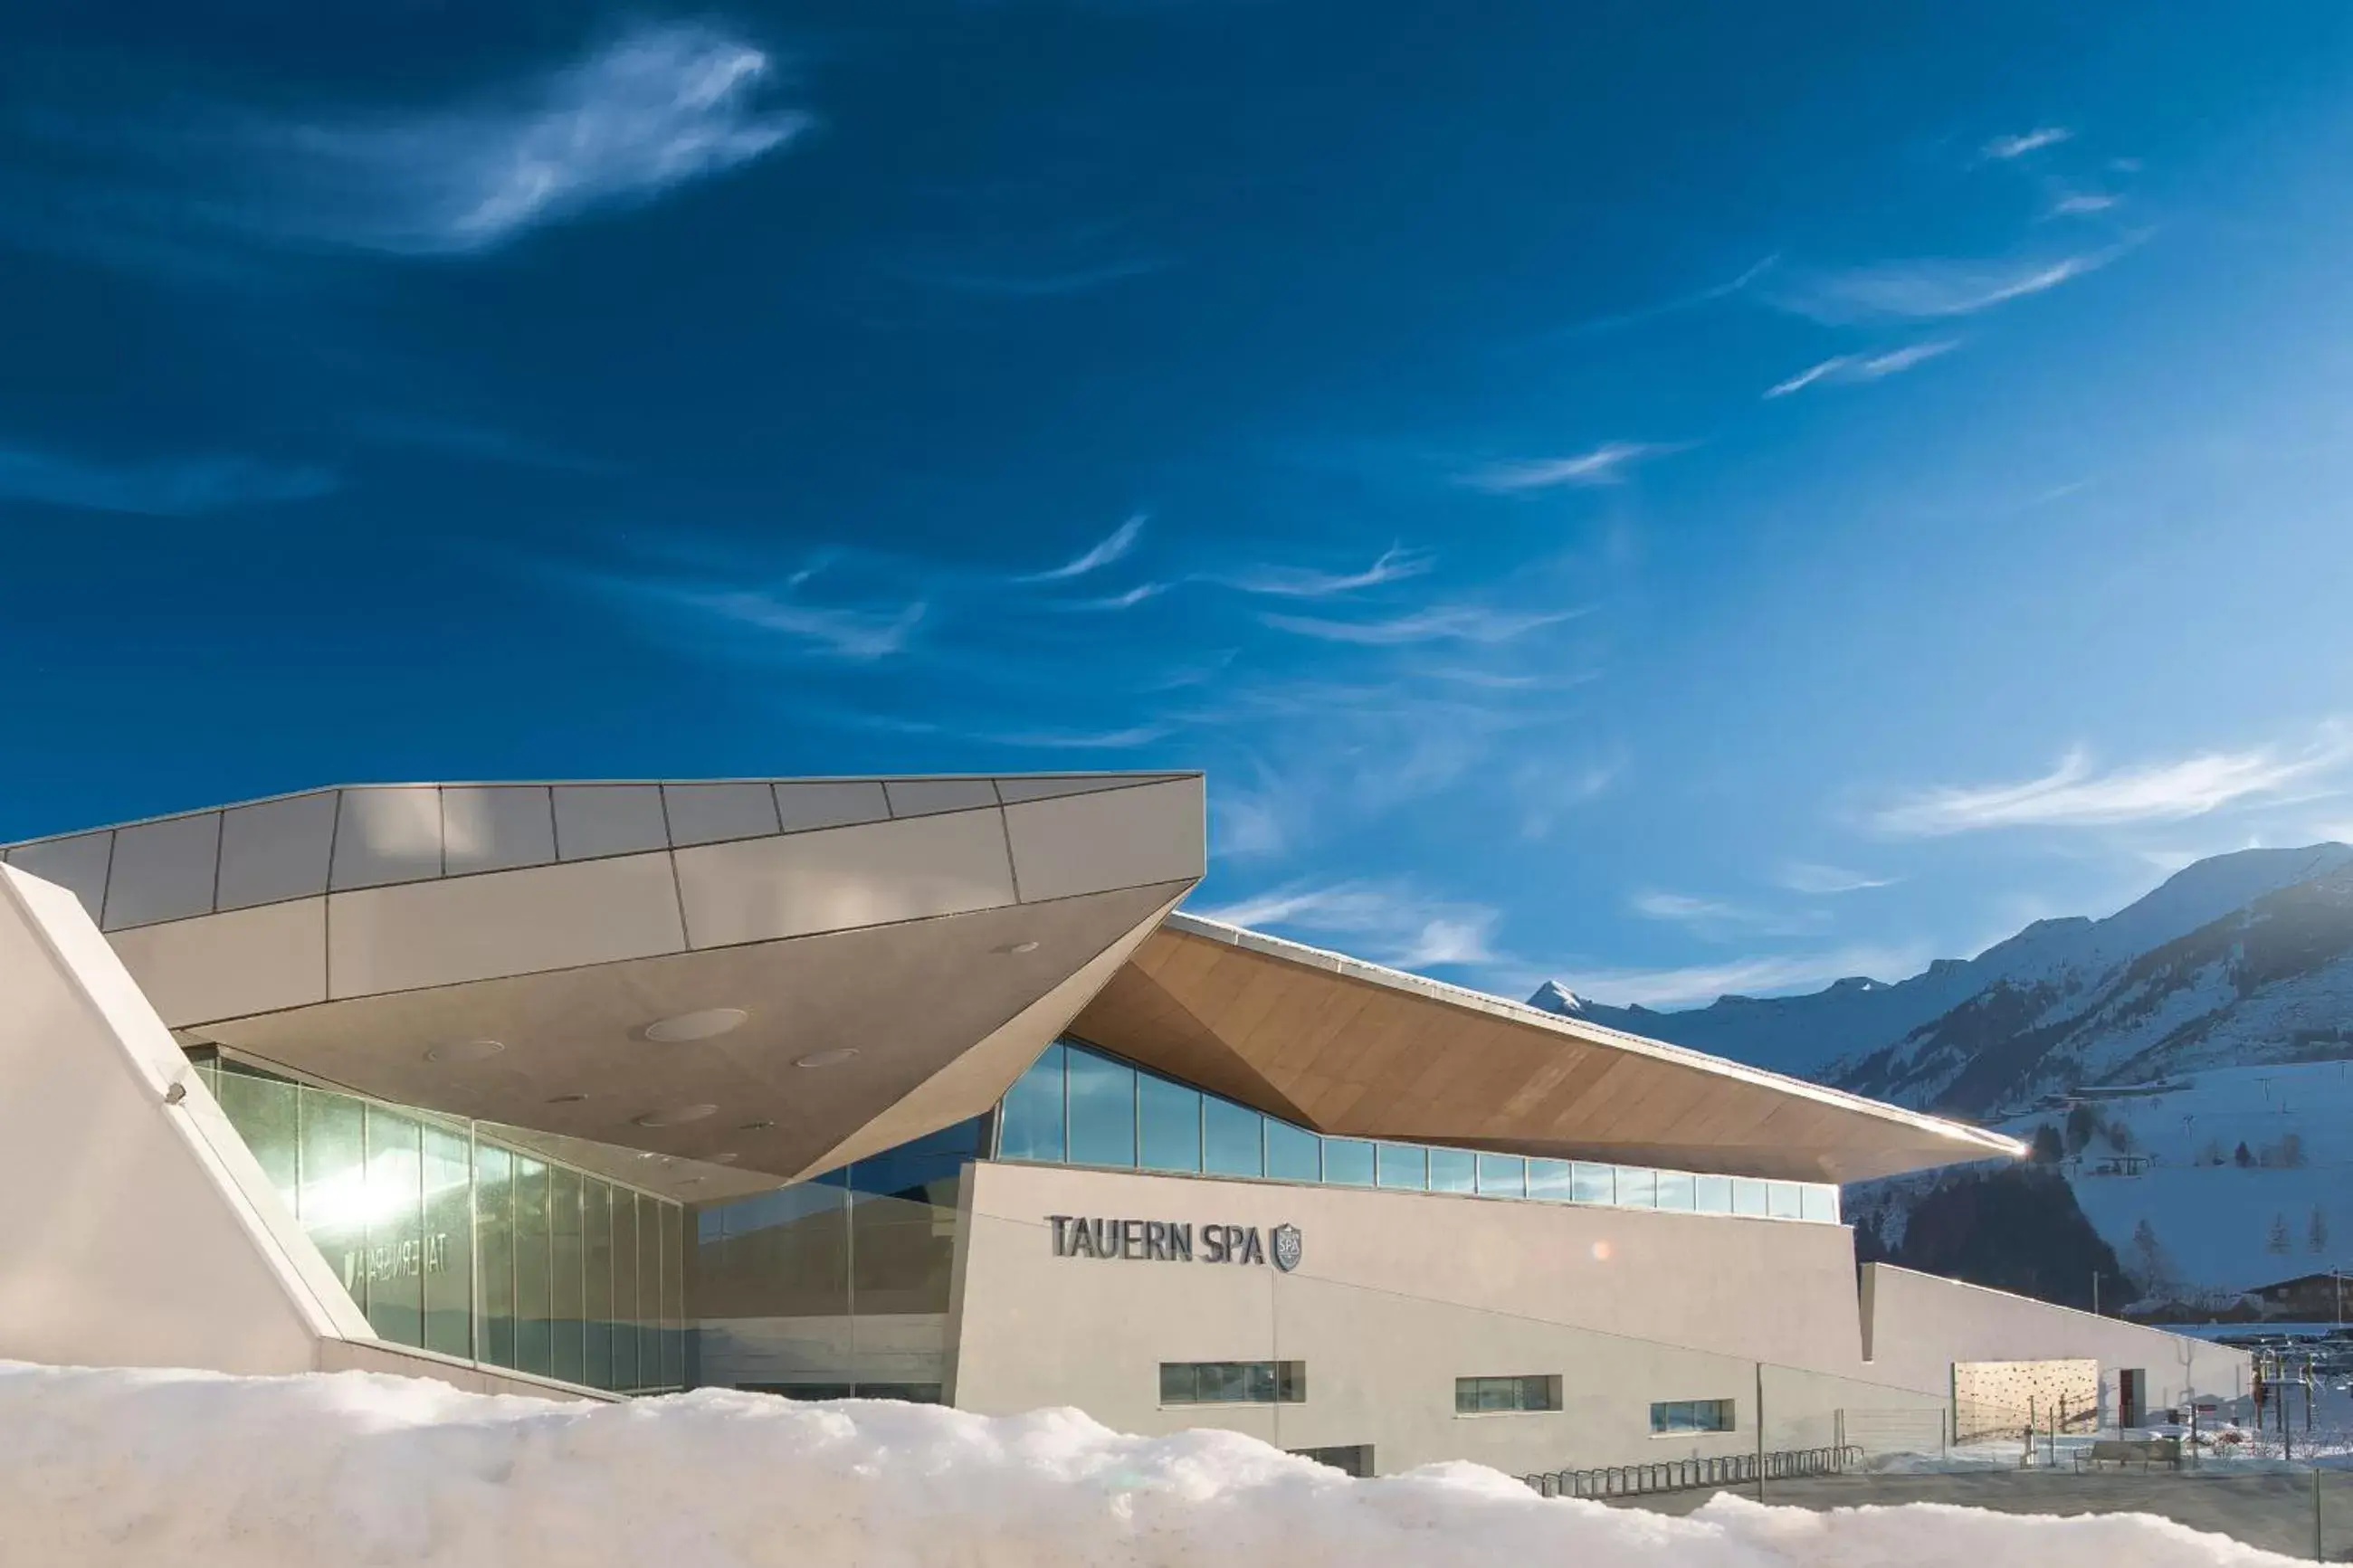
2239,959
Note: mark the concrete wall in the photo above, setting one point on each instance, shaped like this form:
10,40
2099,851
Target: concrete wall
1398,1294
1917,1325
136,1232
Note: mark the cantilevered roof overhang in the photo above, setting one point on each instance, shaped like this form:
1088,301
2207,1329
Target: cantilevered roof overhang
1354,1049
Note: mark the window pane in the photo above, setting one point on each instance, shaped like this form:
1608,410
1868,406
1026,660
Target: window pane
650,1274
1675,1190
1819,1201
1230,1139
1291,1381
1539,1393
1549,1179
1168,1125
1293,1153
1503,1175
625,1284
1102,1110
673,1256
448,1242
1637,1188
1403,1165
334,1187
1594,1184
1348,1162
1219,1382
1030,1127
263,1111
1748,1196
395,1217
567,1354
1258,1381
1466,1395
1454,1171
534,1341
1782,1201
597,1285
494,1237
1176,1383
1714,1193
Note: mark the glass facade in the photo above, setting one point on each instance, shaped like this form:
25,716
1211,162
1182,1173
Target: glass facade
1233,1381
1484,1396
1692,1415
452,1242
1080,1106
837,1287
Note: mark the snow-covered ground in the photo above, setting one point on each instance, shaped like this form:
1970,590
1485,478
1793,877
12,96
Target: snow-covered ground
106,1467
2223,1227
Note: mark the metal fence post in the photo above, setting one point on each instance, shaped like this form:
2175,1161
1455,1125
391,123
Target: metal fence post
1760,1431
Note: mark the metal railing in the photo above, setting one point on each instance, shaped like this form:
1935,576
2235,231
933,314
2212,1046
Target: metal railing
1687,1475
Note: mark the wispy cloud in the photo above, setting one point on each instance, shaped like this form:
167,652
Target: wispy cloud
1394,564
1851,369
1765,974
2076,795
1441,623
657,108
1127,600
857,634
2082,203
1111,547
1720,918
1604,465
1388,922
187,486
1931,289
1613,321
1546,793
1812,876
2001,149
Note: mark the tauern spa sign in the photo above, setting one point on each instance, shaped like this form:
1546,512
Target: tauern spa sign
1174,1241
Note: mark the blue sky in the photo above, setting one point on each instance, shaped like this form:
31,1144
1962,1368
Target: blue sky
1678,498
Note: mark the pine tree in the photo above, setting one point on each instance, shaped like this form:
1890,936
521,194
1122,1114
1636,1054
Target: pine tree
2279,1241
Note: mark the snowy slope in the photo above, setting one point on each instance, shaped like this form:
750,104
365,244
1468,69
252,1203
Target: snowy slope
2216,1225
2247,956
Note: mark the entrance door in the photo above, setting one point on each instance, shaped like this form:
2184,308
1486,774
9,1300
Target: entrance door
2130,1383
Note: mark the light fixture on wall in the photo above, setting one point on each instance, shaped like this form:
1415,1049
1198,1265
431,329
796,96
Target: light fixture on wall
707,1024
762,1125
677,1115
456,1053
834,1058
565,1098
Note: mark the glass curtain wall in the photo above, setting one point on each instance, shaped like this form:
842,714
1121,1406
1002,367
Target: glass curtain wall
453,1242
836,1288
1080,1106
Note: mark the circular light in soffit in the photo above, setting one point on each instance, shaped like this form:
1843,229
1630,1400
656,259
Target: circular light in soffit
834,1058
728,1158
461,1051
762,1125
708,1024
677,1115
565,1098
1014,949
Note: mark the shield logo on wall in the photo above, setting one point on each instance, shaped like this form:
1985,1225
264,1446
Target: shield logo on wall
1287,1245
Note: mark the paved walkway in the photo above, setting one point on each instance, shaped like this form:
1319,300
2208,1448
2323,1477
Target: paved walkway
2271,1511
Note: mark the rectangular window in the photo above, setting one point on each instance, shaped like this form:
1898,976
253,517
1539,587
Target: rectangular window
1713,1193
1103,1111
1233,1381
566,1352
1549,1180
1749,1195
1232,1144
1638,1188
1454,1171
1782,1200
596,1283
1676,1191
1692,1415
1356,1459
1820,1201
1403,1165
1348,1162
1487,1395
1030,1126
1293,1153
1503,1175
534,1338
1594,1184
494,1235
448,1242
1167,1125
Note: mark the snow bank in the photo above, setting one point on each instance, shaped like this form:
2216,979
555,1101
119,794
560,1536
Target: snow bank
195,1470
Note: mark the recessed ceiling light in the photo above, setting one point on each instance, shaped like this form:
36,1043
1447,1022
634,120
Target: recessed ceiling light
760,1126
708,1024
1018,947
677,1114
465,1050
727,1159
565,1098
691,1182
834,1058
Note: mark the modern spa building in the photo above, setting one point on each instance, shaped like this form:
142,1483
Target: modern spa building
925,1089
